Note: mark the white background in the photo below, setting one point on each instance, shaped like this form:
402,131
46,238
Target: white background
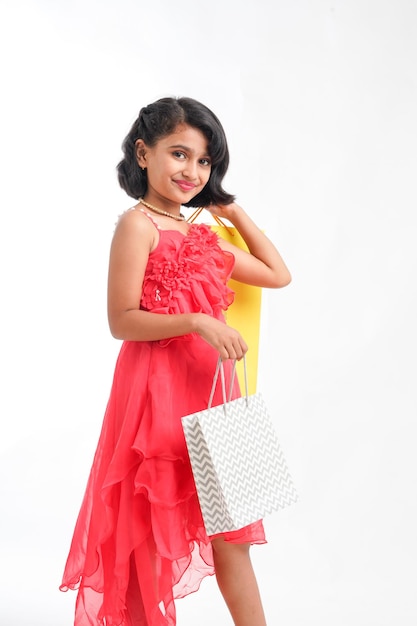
319,100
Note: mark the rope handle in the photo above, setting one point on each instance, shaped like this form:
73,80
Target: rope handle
220,222
220,368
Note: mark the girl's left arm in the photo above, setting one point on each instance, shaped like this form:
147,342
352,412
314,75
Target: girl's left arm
263,265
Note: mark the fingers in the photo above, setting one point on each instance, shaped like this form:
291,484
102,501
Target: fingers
226,340
218,209
234,349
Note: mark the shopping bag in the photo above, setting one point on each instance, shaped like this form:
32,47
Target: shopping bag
239,469
245,312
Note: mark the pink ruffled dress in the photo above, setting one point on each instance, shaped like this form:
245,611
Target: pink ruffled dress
139,542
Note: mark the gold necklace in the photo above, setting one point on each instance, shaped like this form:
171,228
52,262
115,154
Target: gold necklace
179,218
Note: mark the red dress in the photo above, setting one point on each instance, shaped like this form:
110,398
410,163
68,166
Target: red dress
139,542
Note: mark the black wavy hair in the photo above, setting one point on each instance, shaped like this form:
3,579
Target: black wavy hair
161,118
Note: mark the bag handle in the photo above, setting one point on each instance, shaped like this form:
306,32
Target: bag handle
220,222
220,368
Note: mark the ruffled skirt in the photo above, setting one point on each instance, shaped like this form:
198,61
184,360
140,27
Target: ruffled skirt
139,541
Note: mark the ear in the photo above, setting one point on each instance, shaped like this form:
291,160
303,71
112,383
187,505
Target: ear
140,150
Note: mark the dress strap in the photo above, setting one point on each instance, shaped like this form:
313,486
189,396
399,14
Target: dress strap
150,217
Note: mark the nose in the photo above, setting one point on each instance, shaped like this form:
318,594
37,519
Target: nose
190,169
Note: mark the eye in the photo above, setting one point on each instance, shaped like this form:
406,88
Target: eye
178,154
206,161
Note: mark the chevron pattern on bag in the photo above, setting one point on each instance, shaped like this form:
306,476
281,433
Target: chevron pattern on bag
239,469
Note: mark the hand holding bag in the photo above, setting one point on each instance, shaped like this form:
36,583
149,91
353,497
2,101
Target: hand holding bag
238,466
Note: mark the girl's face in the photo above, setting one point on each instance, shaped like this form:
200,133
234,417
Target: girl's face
178,166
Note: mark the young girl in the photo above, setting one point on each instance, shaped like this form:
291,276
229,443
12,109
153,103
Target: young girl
139,542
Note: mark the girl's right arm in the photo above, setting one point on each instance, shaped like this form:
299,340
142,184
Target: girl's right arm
133,240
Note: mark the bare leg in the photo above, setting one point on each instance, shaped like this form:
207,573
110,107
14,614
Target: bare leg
237,582
135,611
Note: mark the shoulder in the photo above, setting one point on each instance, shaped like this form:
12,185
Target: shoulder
133,224
135,218
137,221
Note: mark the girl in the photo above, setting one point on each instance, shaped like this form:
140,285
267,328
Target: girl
139,542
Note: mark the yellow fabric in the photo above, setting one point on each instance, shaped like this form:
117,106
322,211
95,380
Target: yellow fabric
244,314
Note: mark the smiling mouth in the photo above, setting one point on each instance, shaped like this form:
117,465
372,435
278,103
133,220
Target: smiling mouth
185,185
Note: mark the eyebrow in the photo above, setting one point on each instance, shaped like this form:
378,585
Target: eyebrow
186,148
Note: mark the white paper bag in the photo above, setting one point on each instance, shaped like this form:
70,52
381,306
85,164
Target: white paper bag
238,466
